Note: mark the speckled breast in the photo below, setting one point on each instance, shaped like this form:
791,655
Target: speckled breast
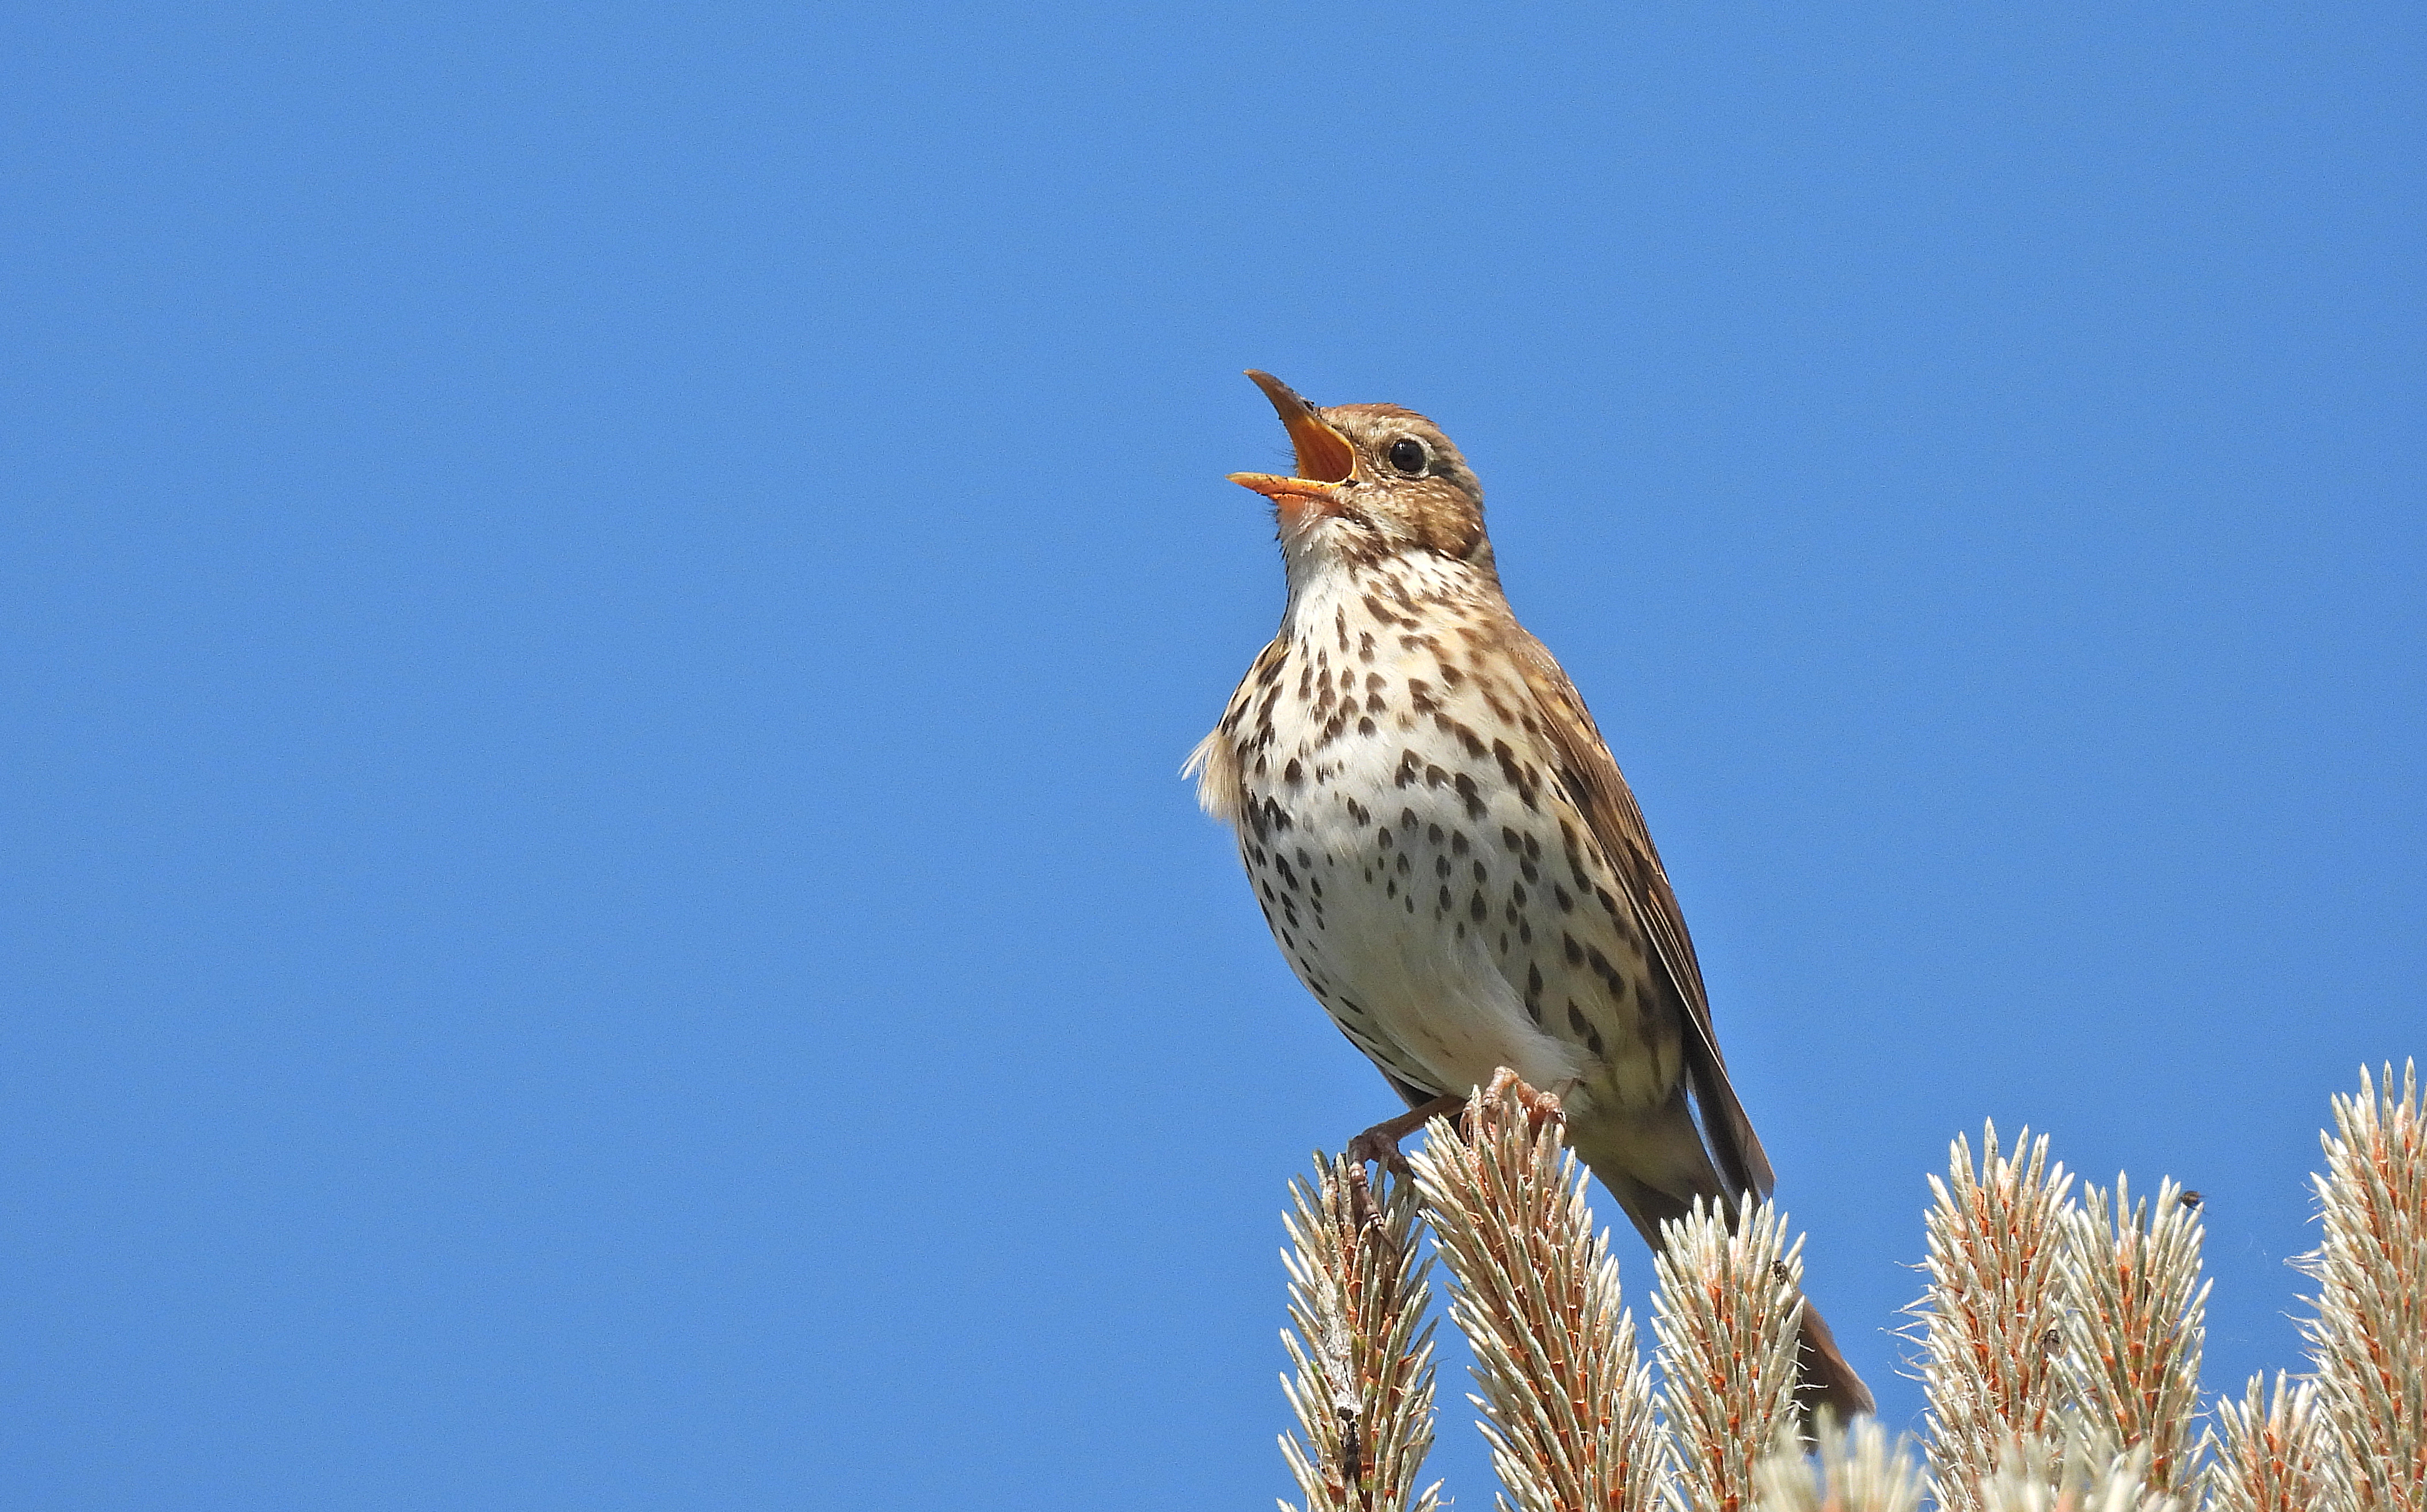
1423,875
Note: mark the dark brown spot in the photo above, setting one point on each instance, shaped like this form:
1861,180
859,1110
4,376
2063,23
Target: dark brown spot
1575,855
1509,769
1600,963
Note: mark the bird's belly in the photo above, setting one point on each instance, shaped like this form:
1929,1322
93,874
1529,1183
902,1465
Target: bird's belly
1398,899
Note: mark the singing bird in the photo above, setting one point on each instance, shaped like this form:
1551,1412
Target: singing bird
1444,846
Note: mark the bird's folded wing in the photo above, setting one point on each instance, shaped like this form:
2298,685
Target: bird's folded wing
1591,778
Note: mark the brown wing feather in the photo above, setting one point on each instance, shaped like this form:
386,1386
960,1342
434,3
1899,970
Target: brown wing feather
1617,824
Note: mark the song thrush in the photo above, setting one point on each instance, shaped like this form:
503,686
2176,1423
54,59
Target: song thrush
1444,846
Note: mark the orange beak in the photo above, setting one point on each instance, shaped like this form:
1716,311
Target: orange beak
1325,458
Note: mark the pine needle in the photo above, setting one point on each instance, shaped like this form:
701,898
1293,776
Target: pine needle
1566,1398
2369,1336
1363,1353
1992,1316
1726,1316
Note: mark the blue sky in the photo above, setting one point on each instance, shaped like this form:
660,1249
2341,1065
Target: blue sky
605,603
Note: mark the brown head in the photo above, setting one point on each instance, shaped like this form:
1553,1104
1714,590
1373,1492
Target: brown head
1372,481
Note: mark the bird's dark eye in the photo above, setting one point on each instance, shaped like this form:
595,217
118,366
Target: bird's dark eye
1408,455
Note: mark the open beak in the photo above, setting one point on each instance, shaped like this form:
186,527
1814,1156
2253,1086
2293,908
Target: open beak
1325,458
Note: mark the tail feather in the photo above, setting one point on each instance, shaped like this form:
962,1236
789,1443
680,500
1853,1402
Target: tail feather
1828,1380
1656,1167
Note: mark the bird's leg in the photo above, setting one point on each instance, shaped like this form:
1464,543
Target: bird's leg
1380,1144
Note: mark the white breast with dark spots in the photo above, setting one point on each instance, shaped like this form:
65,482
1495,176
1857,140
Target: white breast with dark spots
1409,856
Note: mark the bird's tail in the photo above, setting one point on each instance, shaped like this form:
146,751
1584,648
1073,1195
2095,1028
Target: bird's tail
1828,1380
1683,1172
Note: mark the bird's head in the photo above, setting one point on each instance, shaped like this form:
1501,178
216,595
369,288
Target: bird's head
1373,481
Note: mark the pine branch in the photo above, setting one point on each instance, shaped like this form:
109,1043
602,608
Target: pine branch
1992,1316
2274,1453
2369,1334
1363,1353
2061,1341
1566,1400
1726,1316
1858,1471
2083,1473
2134,1328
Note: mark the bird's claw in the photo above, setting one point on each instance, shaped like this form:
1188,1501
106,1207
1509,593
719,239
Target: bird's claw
1379,1146
1509,1088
